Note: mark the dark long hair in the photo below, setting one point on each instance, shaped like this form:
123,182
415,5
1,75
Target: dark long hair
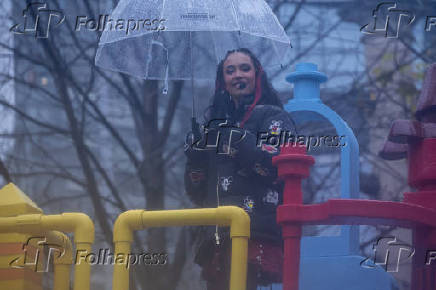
221,98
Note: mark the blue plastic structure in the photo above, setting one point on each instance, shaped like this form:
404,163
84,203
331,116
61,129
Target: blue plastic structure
307,81
332,262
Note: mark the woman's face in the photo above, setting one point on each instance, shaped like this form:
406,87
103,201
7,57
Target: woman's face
239,74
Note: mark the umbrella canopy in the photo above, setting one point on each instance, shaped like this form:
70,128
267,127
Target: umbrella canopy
185,39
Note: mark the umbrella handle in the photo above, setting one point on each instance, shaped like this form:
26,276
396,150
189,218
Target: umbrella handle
195,128
194,135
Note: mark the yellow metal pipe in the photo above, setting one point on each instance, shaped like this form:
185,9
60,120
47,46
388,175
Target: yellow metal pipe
232,216
9,224
121,270
83,228
238,268
62,263
126,223
62,240
78,223
237,219
61,277
82,268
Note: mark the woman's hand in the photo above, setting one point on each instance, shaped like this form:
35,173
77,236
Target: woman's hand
223,137
195,149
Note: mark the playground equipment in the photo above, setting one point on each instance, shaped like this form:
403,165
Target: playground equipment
417,211
326,262
307,79
232,216
327,256
23,220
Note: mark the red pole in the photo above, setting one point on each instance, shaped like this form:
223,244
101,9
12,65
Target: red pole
291,263
293,165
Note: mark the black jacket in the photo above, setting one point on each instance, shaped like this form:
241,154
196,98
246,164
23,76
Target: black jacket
242,173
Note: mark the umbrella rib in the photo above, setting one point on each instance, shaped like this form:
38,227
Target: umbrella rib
238,24
262,5
163,7
214,47
236,16
213,40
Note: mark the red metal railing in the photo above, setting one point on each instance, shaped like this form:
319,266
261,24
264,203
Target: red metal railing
414,139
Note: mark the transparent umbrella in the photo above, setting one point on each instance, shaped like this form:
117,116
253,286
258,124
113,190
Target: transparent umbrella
179,39
186,39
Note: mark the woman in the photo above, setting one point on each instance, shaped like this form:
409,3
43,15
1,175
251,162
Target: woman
238,169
